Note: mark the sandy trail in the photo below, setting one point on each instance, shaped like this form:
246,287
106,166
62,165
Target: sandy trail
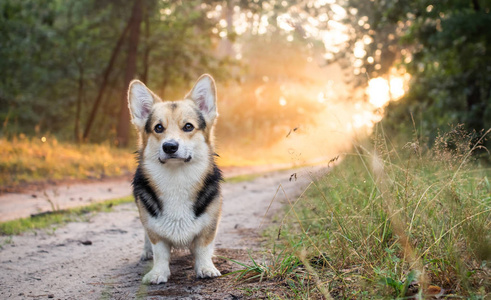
100,258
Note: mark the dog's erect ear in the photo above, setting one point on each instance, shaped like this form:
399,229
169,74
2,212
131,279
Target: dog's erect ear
140,102
204,94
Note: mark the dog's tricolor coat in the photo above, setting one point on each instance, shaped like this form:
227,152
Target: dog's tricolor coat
177,183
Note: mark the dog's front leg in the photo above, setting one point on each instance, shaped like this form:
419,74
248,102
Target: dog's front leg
203,264
160,271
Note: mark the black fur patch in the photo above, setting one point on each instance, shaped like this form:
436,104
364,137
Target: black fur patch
201,120
143,192
148,124
209,191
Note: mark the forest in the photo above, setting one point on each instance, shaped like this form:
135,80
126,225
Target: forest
66,64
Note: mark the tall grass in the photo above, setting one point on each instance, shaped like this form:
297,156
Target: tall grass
26,159
395,221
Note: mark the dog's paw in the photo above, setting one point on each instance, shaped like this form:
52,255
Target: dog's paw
146,255
156,276
207,271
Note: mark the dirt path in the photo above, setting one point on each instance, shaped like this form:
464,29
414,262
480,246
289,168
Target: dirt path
37,199
100,258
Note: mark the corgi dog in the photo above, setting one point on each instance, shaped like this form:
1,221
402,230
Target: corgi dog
177,182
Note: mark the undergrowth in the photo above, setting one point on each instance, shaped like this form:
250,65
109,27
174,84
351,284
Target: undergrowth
390,221
26,160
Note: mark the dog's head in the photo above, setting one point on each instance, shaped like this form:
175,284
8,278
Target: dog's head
174,131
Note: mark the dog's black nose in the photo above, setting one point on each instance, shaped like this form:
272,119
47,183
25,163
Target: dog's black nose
170,147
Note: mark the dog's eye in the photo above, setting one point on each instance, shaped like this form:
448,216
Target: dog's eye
188,127
159,128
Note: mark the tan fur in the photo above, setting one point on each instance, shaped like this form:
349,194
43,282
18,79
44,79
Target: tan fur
208,234
154,238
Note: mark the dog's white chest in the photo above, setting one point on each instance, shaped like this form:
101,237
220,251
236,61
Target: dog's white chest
177,222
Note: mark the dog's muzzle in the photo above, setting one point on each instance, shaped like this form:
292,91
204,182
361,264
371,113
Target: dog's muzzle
171,152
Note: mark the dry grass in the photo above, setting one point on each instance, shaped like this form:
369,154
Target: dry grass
26,160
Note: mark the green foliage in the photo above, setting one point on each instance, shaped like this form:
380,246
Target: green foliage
400,287
46,47
444,46
451,83
179,39
280,265
53,55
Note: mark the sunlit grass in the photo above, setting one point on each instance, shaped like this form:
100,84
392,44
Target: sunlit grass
392,221
25,160
41,221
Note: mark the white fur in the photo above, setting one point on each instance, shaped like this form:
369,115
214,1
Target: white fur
204,266
160,271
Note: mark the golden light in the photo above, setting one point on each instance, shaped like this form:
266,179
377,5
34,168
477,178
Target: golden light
397,88
282,101
339,11
328,56
337,118
43,139
362,119
378,92
285,23
359,52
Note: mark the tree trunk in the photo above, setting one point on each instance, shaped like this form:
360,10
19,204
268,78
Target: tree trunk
476,5
79,102
123,129
105,79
